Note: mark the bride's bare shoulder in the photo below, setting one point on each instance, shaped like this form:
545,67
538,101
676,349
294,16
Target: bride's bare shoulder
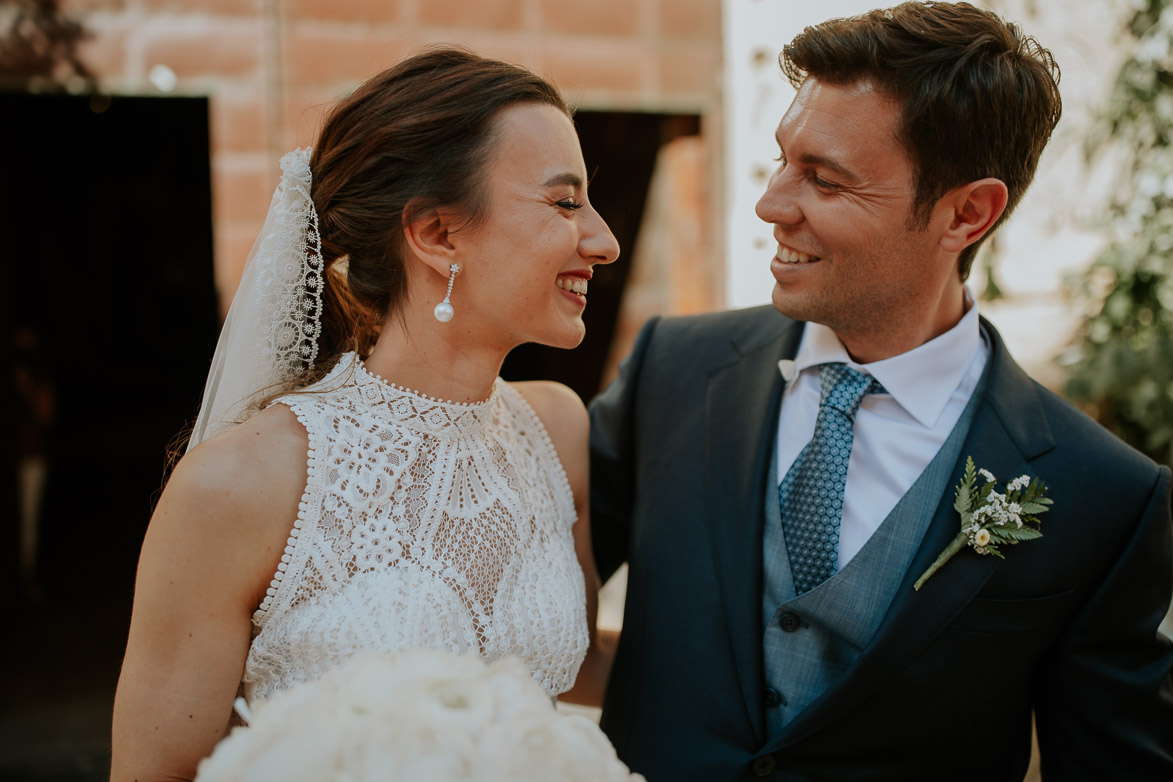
560,409
255,470
564,416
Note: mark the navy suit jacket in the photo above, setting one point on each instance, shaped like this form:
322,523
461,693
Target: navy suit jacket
1064,627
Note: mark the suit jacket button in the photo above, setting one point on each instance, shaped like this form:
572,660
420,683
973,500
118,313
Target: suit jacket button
764,766
789,622
773,698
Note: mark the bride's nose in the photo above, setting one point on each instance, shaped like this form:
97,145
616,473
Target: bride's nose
597,243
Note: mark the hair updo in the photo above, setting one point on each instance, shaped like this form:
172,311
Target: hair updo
419,133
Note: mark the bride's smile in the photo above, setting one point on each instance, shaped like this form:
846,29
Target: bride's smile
526,266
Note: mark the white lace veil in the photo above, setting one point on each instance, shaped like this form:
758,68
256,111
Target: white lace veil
271,332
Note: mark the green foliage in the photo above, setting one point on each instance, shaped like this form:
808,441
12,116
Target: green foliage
963,498
39,48
983,510
1012,535
1124,369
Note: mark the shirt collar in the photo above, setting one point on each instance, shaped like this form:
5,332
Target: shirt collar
921,380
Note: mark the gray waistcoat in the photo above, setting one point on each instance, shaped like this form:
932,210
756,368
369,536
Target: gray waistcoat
811,640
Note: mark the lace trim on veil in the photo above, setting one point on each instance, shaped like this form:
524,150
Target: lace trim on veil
271,333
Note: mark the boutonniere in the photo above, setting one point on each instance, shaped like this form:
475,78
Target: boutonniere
989,518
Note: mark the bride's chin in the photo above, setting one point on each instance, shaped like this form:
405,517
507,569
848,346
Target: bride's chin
568,339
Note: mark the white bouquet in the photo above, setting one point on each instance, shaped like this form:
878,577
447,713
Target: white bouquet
420,714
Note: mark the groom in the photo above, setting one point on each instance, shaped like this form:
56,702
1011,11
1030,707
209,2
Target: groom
778,478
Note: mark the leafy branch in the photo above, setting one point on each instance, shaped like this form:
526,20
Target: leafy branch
1123,363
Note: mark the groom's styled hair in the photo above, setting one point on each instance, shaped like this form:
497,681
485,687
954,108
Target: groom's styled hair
978,97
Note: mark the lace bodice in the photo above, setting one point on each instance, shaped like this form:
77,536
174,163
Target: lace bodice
423,523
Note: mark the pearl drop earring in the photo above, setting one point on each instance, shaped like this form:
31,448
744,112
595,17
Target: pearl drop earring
443,311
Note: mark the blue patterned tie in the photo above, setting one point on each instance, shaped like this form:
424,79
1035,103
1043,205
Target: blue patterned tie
811,495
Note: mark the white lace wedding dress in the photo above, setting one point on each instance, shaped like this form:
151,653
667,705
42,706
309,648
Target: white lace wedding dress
423,524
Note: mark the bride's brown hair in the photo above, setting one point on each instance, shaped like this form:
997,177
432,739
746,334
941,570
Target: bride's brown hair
419,135
416,136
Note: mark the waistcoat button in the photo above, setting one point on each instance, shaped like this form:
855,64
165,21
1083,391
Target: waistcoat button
764,766
789,622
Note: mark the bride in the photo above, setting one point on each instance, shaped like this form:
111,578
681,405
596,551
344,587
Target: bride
390,491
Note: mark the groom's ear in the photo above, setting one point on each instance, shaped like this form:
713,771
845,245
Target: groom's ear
427,234
975,207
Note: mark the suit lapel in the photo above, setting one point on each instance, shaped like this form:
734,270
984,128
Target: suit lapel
741,410
1008,430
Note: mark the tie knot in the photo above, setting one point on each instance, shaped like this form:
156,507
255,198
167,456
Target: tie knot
843,388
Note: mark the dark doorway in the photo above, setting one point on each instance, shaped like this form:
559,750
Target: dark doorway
108,318
105,211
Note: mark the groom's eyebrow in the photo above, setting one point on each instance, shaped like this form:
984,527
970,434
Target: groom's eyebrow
811,159
826,162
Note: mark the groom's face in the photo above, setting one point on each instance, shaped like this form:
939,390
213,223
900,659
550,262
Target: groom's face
850,255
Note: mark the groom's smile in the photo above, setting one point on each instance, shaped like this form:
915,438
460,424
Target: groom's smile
850,255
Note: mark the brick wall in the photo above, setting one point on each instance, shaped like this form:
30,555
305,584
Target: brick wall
270,68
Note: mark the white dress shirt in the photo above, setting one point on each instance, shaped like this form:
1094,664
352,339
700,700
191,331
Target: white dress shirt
898,433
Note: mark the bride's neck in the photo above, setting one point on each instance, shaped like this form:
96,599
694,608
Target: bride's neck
442,360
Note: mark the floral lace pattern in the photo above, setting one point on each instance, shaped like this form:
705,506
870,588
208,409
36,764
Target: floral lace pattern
423,524
294,280
271,332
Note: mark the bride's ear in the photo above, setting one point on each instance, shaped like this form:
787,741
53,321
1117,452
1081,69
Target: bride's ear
427,233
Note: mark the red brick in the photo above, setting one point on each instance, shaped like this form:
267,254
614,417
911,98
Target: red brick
305,111
242,186
74,8
599,17
672,269
506,46
481,15
536,54
231,242
71,8
691,19
687,69
692,289
620,66
318,56
347,10
204,49
103,51
213,7
238,121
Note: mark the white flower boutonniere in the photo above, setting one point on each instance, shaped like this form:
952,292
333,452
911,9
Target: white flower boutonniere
990,519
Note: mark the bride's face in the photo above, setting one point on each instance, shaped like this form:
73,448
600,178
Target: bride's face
526,267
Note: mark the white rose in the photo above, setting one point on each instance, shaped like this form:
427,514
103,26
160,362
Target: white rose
419,714
439,767
569,748
230,757
286,760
